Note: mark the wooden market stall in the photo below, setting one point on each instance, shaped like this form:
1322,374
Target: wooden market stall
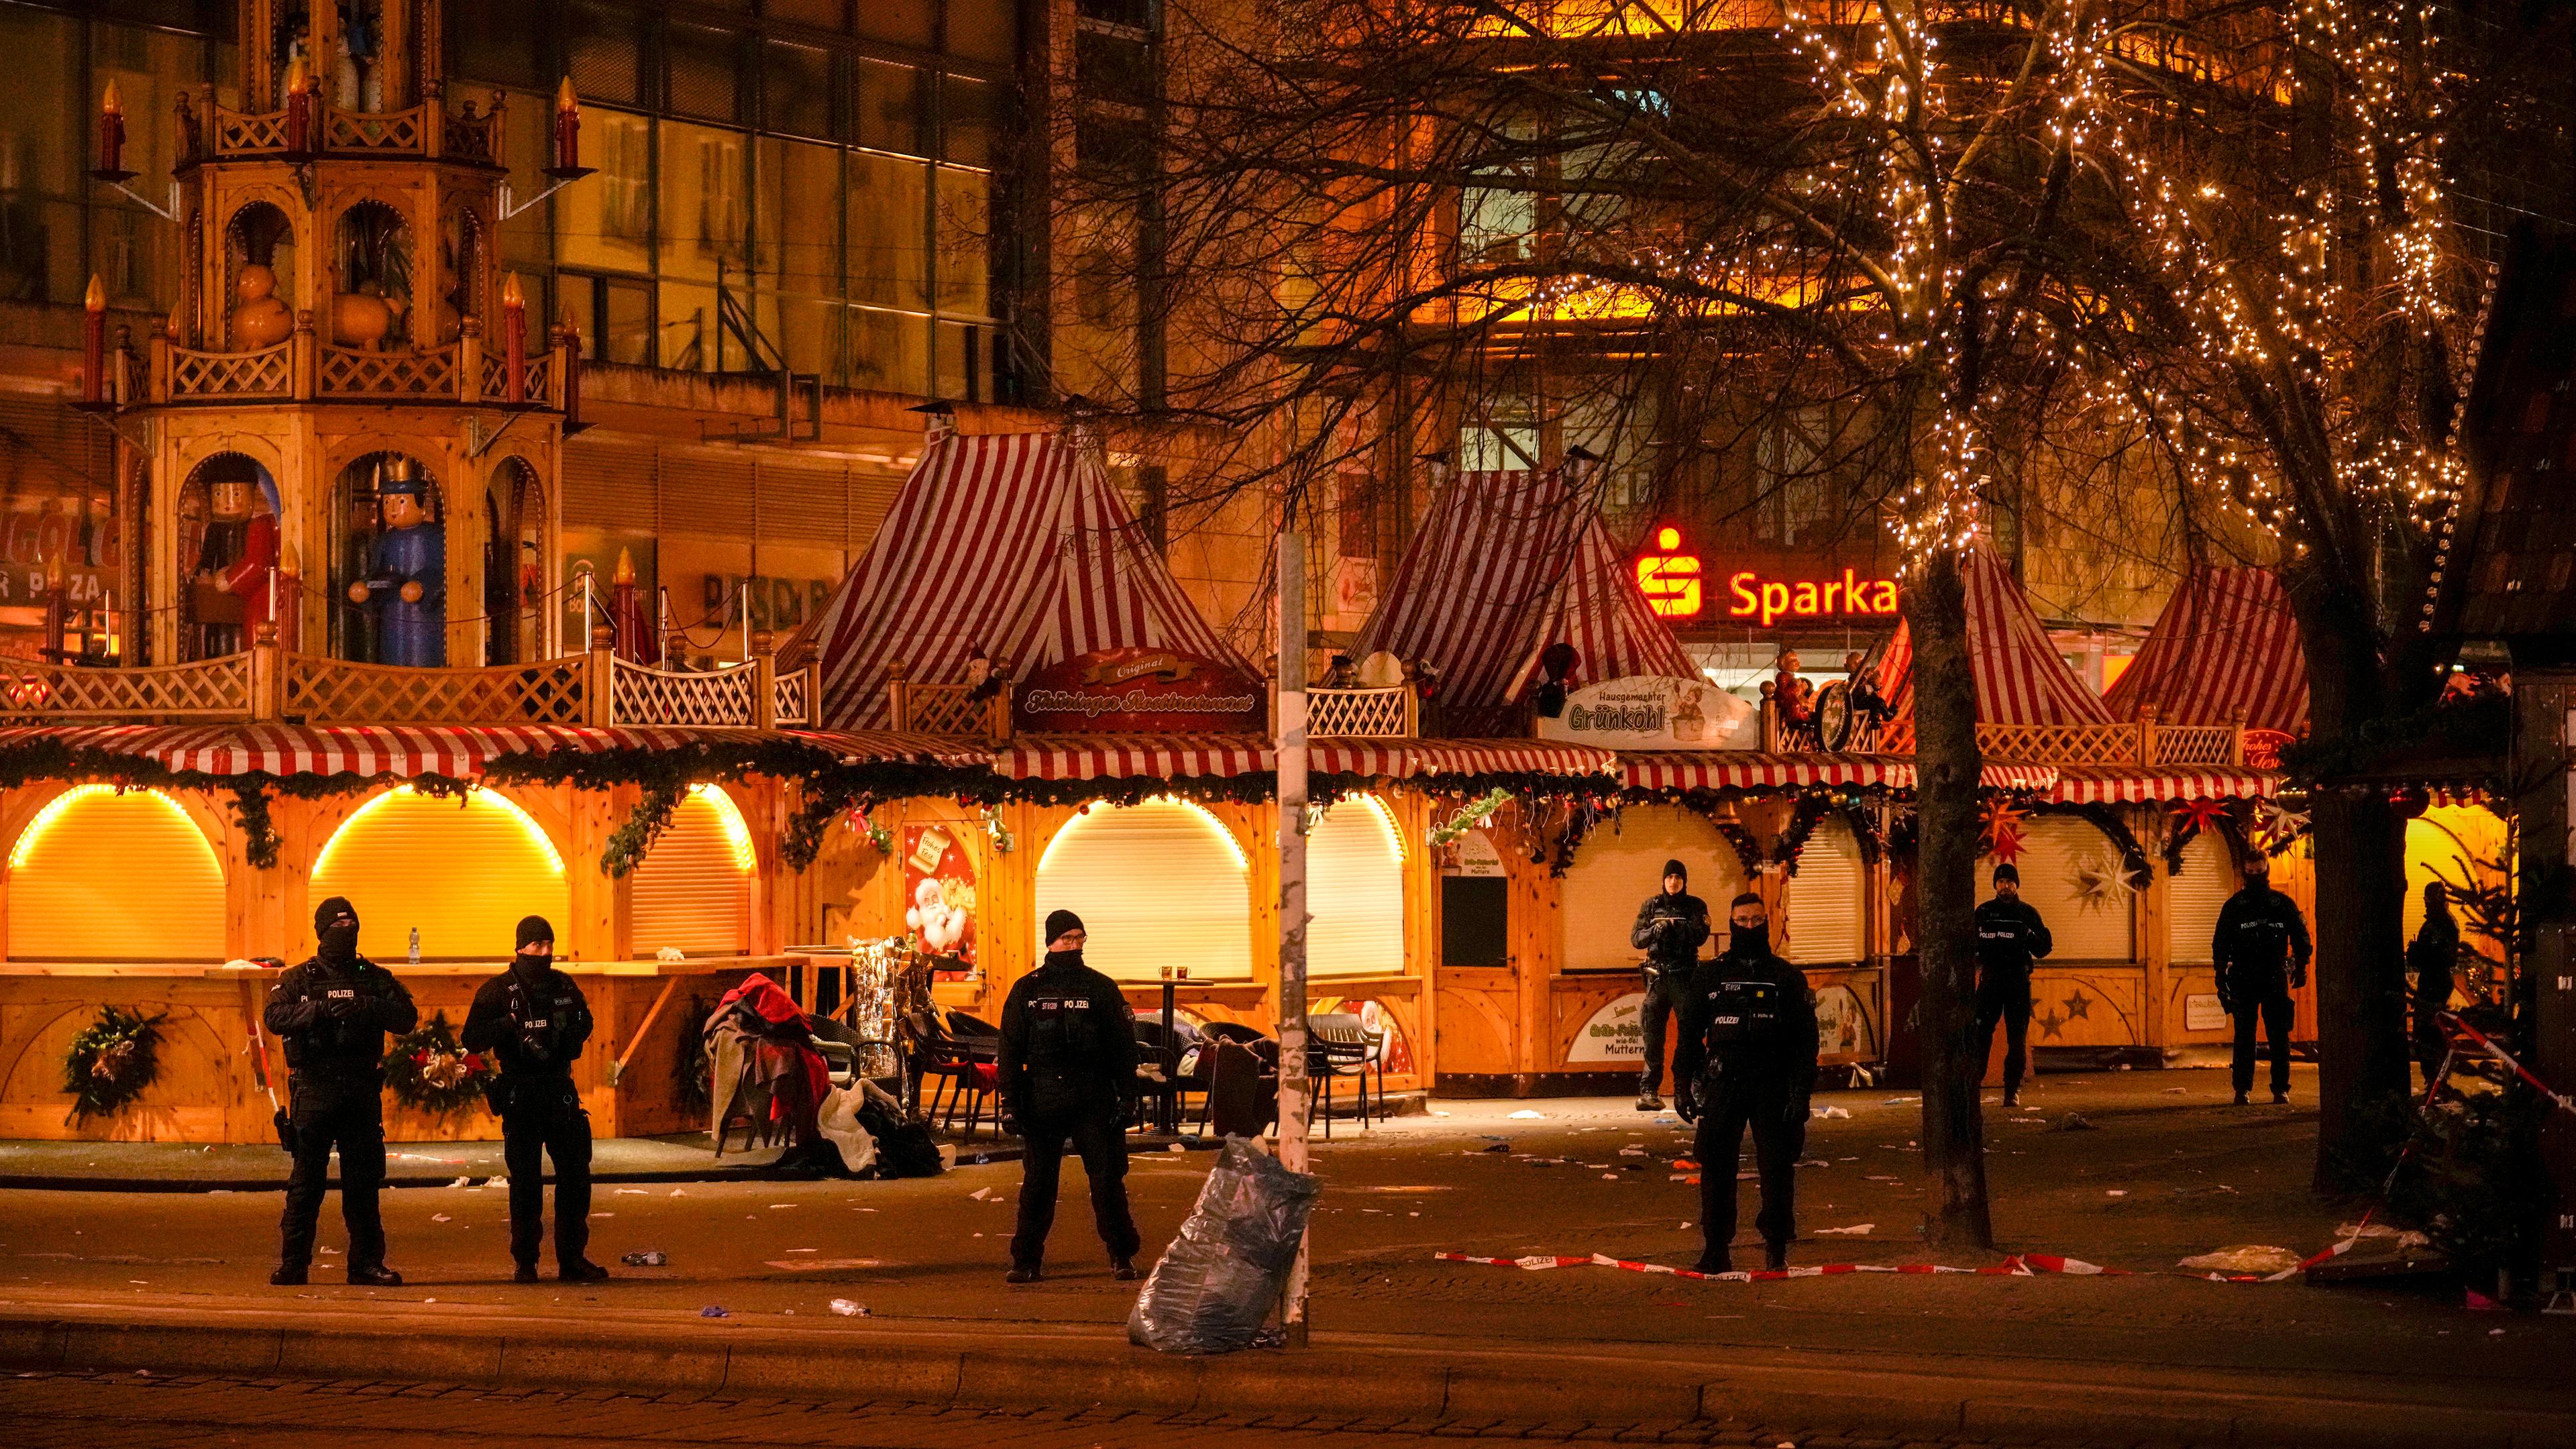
1011,600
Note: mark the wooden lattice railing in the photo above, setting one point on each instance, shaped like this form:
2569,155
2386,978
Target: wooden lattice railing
239,133
2062,744
266,373
2197,745
334,691
398,131
348,372
1359,714
950,709
791,696
206,689
724,698
472,138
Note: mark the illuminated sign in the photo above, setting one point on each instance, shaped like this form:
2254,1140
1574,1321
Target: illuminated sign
1750,596
1673,583
1670,579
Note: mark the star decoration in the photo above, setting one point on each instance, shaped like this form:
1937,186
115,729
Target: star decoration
2004,833
2079,1007
2198,817
2048,1025
2097,887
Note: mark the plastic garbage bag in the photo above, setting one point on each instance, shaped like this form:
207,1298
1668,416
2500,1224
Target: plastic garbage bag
1215,1284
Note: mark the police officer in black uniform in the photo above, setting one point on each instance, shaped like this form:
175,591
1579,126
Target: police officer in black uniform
1747,1057
2261,950
1670,927
534,1020
333,1012
2010,936
1068,1070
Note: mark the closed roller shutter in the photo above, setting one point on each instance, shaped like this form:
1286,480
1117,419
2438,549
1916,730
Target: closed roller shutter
2193,899
1616,870
99,876
693,891
463,870
1824,898
708,493
1355,892
804,502
1158,884
872,494
609,484
2070,874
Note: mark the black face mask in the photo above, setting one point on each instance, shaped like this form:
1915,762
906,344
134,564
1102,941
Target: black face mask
1065,958
339,944
530,964
1749,940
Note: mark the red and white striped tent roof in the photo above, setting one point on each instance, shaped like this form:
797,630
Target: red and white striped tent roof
2226,641
2020,678
457,751
1015,542
1506,564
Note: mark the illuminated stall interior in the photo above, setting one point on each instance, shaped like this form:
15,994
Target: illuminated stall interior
1160,884
461,870
1355,891
692,893
100,874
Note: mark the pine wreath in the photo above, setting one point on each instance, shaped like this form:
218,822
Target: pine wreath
114,1060
428,1071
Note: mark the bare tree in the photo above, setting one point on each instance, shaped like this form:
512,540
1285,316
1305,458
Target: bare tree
1377,225
2285,302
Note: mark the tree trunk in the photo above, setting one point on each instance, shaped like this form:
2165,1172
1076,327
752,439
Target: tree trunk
1947,767
2361,987
2360,846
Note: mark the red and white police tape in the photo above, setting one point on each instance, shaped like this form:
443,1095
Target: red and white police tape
2017,1265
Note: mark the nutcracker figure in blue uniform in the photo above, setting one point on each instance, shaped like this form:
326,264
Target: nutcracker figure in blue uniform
407,573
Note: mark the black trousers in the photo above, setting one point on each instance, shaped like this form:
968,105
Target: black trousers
2007,1001
546,1120
351,1118
2277,1013
1663,986
1778,1118
1100,1137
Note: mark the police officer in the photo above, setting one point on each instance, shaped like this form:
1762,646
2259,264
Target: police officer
1747,1058
2261,950
1068,1070
1670,927
2010,936
534,1020
333,1012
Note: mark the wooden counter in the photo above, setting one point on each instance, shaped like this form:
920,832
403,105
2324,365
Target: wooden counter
211,1086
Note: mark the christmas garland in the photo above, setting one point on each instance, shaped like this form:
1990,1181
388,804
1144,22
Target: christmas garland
428,1071
114,1060
1467,816
1809,812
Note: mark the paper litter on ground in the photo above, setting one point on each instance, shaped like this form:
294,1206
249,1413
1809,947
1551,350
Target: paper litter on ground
1856,1231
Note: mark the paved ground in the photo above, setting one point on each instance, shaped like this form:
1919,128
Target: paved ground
2168,1169
41,1411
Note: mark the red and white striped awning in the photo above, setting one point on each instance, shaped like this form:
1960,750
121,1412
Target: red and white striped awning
1746,770
1506,564
1122,757
1014,542
2225,642
2019,677
2138,785
459,751
1131,757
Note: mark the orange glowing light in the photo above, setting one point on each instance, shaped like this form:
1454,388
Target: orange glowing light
1669,578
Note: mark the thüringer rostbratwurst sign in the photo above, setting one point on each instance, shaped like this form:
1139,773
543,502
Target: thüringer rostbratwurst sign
1162,691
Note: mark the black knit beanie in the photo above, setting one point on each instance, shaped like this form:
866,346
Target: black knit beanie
1059,922
534,928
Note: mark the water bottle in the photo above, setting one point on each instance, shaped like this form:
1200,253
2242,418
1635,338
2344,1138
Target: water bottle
415,945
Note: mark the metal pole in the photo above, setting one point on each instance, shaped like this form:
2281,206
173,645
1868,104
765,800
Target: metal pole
1296,1098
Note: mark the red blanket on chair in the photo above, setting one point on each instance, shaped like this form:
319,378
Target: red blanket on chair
763,1011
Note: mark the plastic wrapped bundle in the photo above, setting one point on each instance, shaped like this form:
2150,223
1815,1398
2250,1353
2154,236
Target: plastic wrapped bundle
1216,1282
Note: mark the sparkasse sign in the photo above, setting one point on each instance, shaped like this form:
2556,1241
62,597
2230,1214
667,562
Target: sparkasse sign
1751,596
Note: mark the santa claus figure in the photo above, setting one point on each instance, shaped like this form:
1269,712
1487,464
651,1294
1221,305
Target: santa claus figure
939,926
